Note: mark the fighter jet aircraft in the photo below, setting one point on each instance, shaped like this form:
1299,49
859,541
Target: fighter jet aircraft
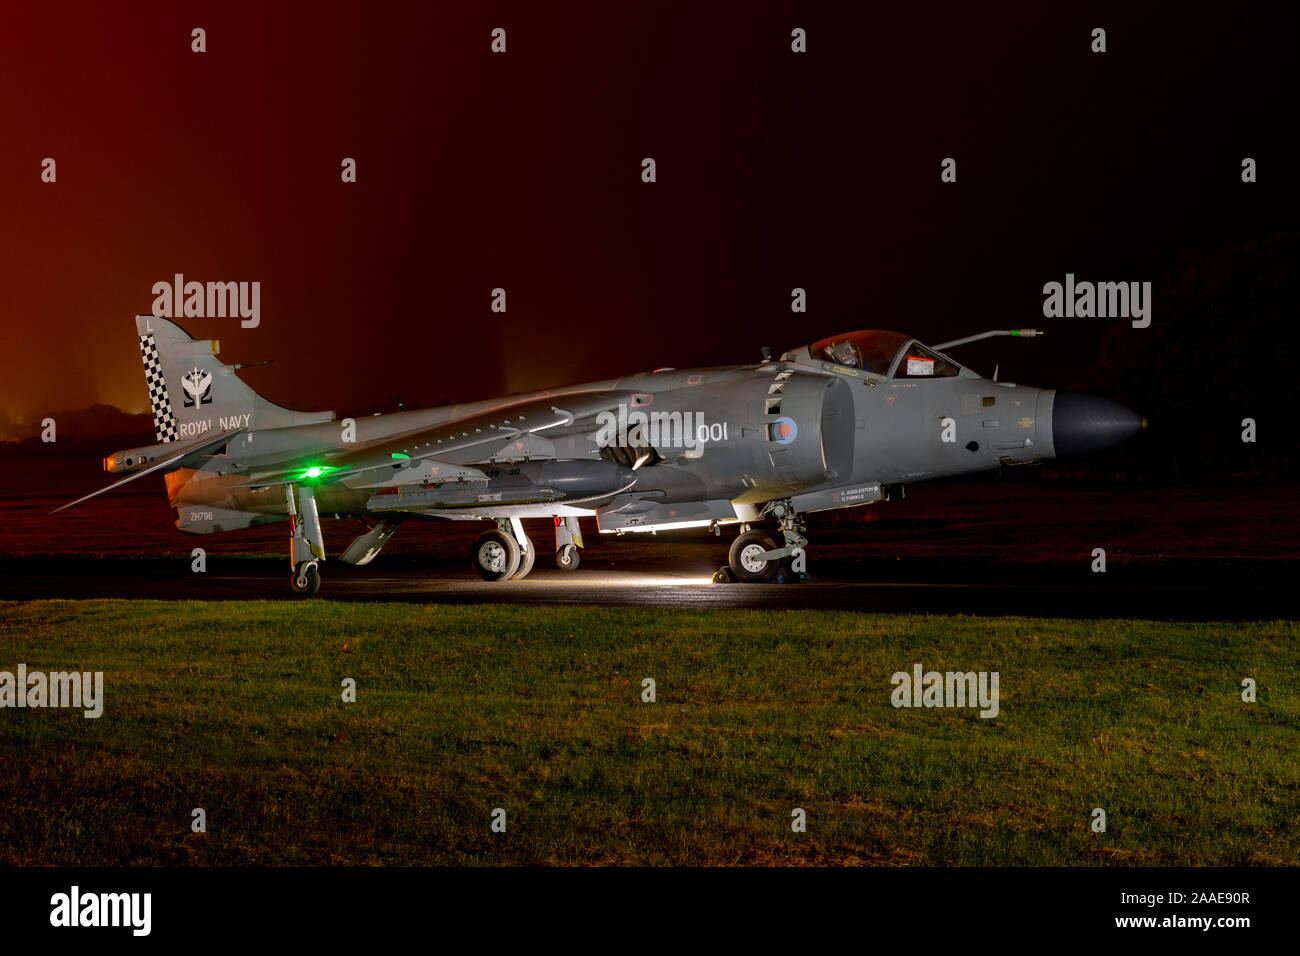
843,422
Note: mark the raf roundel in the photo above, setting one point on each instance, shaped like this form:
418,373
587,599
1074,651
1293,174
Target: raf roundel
784,430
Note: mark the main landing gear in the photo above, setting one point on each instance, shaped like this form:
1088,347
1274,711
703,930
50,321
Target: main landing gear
306,543
506,554
755,558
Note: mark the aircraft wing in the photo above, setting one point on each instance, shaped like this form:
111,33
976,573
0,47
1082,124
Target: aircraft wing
193,449
448,451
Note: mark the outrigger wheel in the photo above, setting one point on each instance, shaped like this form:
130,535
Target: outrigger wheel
567,558
305,579
495,556
744,559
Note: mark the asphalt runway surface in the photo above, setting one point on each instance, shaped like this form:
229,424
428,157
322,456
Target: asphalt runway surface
1188,594
1200,551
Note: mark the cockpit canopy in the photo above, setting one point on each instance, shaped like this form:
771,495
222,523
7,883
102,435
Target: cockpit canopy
881,352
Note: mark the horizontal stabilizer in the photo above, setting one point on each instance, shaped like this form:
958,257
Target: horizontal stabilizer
177,460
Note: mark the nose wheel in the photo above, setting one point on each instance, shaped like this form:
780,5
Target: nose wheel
755,557
746,558
567,558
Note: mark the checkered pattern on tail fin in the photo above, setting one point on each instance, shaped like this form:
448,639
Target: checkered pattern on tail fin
164,419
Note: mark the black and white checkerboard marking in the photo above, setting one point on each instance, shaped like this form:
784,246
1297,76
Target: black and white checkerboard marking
164,419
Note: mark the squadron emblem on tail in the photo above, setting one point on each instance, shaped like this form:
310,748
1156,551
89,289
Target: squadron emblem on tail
198,387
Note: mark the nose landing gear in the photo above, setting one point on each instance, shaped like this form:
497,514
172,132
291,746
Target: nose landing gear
748,559
754,556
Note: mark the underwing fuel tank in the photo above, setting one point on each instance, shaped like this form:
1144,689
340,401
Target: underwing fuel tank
533,482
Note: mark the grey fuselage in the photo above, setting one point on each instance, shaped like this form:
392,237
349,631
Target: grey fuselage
715,444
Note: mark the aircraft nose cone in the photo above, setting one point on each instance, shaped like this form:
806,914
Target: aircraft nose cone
1084,423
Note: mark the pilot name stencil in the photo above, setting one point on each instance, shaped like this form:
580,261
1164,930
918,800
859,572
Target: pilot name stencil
864,493
1098,300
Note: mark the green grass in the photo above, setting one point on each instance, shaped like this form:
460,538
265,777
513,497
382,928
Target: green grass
235,708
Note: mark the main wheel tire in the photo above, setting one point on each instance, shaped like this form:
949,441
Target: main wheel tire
495,556
526,560
744,561
305,579
567,558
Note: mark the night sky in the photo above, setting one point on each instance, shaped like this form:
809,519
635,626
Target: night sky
523,171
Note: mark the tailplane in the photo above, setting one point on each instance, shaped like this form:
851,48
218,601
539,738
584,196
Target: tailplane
192,393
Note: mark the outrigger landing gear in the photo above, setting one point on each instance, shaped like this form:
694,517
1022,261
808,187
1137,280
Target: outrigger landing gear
568,539
505,554
305,579
306,543
567,558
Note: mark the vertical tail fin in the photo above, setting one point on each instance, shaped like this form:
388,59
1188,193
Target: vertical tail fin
164,419
191,392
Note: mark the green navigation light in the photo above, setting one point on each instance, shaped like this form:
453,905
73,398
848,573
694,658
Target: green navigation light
314,471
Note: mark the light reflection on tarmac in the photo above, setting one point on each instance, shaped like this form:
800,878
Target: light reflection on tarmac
1063,593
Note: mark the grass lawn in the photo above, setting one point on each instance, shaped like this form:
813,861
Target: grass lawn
236,708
